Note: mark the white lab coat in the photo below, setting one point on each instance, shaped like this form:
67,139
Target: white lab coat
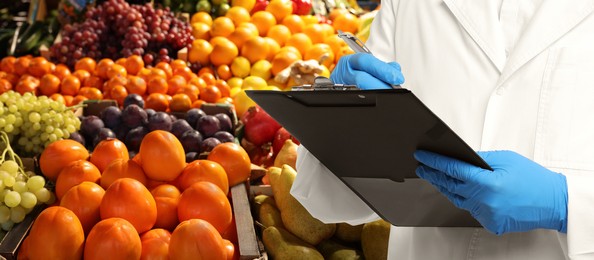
537,100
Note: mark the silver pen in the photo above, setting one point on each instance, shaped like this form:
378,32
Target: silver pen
356,45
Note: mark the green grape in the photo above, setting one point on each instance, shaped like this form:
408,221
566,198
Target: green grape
35,183
70,128
52,199
58,132
4,174
43,195
12,199
10,166
36,126
49,129
2,122
9,181
28,200
17,214
18,122
2,110
20,177
8,128
4,213
12,108
20,186
7,226
34,117
10,119
53,138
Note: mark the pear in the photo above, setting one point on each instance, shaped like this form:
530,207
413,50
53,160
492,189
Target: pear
295,217
270,216
332,250
273,174
281,244
374,239
287,154
261,199
348,233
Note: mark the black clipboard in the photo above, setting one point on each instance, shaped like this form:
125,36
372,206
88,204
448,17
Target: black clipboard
367,139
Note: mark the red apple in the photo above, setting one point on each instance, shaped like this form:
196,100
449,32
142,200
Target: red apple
260,127
279,139
260,6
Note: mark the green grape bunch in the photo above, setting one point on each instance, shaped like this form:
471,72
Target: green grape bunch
33,122
20,190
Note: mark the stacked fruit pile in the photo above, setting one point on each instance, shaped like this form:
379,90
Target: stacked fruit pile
153,205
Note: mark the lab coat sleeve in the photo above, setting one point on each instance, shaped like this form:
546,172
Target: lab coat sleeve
580,214
381,41
324,195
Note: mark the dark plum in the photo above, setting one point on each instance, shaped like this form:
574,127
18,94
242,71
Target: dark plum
208,144
193,115
160,121
179,127
90,126
208,125
225,122
191,141
134,99
76,136
121,131
224,136
134,138
134,116
103,134
173,118
150,112
111,116
191,156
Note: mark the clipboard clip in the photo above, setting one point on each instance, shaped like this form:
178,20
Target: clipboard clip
323,83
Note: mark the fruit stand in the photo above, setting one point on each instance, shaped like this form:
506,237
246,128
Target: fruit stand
127,133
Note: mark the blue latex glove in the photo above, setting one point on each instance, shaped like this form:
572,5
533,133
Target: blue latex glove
367,72
519,195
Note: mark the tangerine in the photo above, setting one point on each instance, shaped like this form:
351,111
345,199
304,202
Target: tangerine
87,64
39,66
61,71
102,68
280,8
300,41
223,52
21,65
294,23
201,31
282,60
201,17
224,72
211,94
118,93
346,22
157,102
190,90
116,70
264,21
200,52
157,85
7,64
180,103
238,15
5,85
255,49
136,85
174,83
134,64
241,35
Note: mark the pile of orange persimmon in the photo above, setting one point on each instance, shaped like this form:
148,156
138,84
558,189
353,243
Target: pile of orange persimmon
152,206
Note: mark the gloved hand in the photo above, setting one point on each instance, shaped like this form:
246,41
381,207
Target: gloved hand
519,195
367,72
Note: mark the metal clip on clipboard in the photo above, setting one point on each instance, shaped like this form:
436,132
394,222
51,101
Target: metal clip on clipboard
357,45
323,83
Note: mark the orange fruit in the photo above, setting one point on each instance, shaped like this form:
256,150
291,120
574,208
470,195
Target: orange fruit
230,249
61,71
294,23
12,78
238,15
78,99
222,26
167,199
264,21
102,68
198,103
49,84
118,93
56,234
346,22
39,66
225,100
129,199
200,51
122,168
157,101
153,246
27,83
211,94
255,49
300,41
163,157
121,61
111,83
334,42
315,32
157,85
224,72
70,85
93,81
178,64
136,85
234,160
205,200
189,90
156,233
113,238
273,48
336,12
58,155
184,72
241,35
199,82
223,87
206,69
84,200
21,65
82,75
180,103
176,82
201,31
319,50
196,239
203,170
223,52
251,27
345,50
282,60
280,8
58,97
5,85
201,17
280,33
87,64
165,67
134,64
107,151
328,29
7,64
90,93
117,70
75,173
